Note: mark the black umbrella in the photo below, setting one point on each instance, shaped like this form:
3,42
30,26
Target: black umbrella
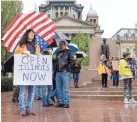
57,38
80,54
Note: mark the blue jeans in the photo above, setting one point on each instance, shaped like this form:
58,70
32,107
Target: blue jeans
134,74
127,86
23,103
62,86
38,91
54,93
76,77
46,91
115,78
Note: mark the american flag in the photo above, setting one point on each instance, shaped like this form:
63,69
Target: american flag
39,22
41,42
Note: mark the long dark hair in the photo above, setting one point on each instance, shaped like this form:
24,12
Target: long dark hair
24,38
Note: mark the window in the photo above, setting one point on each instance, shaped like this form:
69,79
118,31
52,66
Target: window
49,15
61,14
66,13
56,8
56,14
74,15
66,8
133,35
61,8
94,20
90,20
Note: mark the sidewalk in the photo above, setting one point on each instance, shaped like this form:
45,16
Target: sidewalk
80,111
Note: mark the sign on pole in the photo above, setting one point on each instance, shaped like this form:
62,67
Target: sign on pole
32,69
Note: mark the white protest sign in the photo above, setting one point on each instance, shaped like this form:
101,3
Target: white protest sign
32,69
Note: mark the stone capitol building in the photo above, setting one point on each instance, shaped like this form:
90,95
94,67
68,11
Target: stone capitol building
67,15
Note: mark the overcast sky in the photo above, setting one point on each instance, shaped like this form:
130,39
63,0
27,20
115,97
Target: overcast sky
113,14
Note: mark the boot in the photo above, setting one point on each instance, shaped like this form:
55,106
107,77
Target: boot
29,112
75,84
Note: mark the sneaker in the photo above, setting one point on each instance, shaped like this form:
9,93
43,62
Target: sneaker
29,112
132,101
59,105
23,112
66,106
126,101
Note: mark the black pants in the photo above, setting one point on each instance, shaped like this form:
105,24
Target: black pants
104,79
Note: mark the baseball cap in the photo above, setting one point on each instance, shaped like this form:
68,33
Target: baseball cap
126,53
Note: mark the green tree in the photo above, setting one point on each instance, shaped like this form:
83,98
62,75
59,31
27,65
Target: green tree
8,11
81,40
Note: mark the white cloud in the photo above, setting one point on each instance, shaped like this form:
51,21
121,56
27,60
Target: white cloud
113,14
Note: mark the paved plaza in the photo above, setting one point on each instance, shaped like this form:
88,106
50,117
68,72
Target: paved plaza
81,110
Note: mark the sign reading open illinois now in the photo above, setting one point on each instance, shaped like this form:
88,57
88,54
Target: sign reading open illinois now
32,69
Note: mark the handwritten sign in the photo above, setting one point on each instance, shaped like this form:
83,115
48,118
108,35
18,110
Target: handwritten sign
32,69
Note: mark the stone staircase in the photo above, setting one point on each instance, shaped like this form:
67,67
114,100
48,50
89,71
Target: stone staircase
94,91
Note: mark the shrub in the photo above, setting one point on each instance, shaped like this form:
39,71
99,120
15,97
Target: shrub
6,84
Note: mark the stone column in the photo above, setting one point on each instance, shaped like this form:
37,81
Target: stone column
69,11
51,13
59,12
64,11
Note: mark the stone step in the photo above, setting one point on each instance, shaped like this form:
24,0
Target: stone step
101,97
100,89
99,92
90,83
100,84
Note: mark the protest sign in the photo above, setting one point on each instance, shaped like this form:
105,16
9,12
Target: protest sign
32,69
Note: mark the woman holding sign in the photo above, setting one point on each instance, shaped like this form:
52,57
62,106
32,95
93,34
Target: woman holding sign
27,46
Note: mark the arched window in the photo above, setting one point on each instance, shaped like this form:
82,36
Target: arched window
94,20
56,14
90,20
61,14
66,13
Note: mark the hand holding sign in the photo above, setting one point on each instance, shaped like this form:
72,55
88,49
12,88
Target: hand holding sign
26,52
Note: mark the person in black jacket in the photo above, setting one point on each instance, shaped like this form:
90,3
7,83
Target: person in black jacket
76,72
64,64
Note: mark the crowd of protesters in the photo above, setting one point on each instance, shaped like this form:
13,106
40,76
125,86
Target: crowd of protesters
63,65
124,68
